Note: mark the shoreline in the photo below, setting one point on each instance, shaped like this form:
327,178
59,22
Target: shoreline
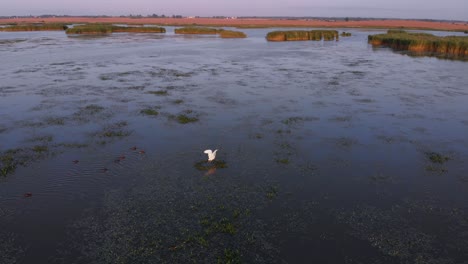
254,23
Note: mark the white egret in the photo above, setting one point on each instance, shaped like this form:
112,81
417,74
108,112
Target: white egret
211,154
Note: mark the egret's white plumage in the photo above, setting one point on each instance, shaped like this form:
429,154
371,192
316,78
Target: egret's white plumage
211,154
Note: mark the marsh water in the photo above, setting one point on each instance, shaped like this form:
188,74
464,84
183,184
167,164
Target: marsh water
335,152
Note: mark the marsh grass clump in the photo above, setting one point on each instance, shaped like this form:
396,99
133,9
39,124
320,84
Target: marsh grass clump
282,161
293,120
42,139
35,27
108,29
455,47
230,256
55,121
435,157
40,149
272,192
345,34
178,101
90,29
130,29
198,30
184,119
7,164
301,35
232,34
149,111
93,109
160,92
205,165
115,130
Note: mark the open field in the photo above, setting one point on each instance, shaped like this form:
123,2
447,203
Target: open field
409,24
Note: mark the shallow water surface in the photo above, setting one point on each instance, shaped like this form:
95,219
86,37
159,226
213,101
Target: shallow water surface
335,152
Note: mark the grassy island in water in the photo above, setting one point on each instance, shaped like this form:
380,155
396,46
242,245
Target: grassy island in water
423,43
35,27
298,35
107,29
210,31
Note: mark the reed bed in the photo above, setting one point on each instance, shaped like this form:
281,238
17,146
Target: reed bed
108,28
232,34
345,34
423,43
302,35
35,27
210,31
197,30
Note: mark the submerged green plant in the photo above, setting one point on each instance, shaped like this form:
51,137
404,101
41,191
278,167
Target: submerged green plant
435,157
160,92
184,119
149,111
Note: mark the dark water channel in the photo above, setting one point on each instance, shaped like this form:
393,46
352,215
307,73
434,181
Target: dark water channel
335,152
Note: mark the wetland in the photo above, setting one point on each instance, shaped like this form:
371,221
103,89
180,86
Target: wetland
329,151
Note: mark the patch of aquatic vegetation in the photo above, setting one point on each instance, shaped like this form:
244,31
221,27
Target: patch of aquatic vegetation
345,142
73,145
437,162
210,31
435,157
92,109
292,120
282,161
186,117
364,100
454,47
11,41
298,35
12,158
230,257
91,112
345,34
10,251
178,101
115,130
271,192
35,27
206,165
207,221
159,92
44,139
54,121
232,34
341,118
398,233
197,30
108,29
165,73
149,111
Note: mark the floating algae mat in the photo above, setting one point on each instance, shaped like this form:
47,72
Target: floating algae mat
455,47
297,35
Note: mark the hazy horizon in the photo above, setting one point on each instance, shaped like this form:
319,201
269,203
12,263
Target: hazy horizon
417,9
